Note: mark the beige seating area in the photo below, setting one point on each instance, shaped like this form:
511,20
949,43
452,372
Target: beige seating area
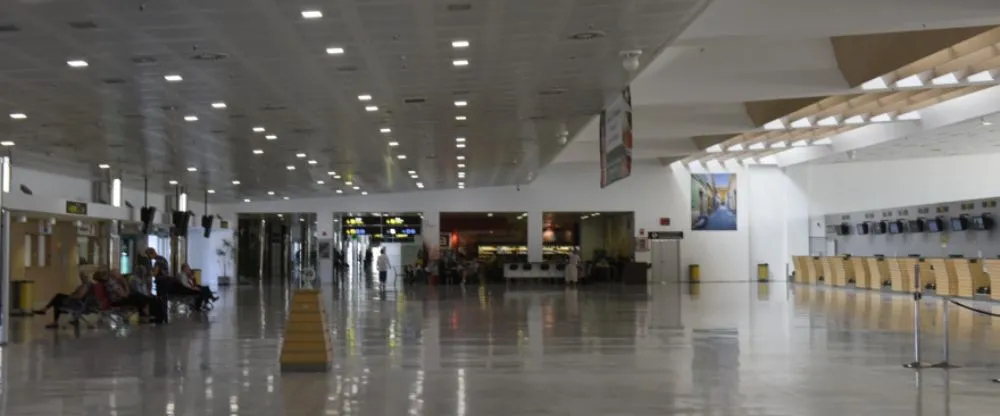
960,277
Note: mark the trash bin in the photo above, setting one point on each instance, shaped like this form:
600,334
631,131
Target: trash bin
763,272
694,273
22,296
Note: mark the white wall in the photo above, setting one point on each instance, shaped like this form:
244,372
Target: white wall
860,186
201,253
653,191
778,219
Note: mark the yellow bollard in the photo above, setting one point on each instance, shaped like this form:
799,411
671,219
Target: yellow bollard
763,272
694,273
197,276
23,299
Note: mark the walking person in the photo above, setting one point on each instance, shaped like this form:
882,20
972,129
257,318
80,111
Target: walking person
573,268
383,266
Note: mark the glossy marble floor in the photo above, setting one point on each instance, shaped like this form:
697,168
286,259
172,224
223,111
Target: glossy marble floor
713,349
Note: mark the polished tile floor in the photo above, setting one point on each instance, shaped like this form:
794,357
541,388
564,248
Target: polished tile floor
713,349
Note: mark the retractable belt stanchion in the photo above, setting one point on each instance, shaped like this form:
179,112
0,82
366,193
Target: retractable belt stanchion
916,364
947,339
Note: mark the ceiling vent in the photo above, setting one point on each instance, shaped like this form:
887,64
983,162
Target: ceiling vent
347,68
587,35
209,56
552,91
143,60
415,100
83,25
9,28
459,7
113,81
303,130
272,107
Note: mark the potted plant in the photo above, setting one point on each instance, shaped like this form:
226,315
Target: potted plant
226,252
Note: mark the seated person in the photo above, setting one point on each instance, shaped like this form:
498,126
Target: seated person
61,301
120,295
178,286
187,279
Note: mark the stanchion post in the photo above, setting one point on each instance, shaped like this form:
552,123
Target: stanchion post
945,364
916,364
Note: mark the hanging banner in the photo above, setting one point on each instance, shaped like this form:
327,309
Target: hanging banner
616,139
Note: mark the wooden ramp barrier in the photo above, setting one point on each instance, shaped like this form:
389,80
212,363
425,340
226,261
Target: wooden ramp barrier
306,345
837,271
963,277
823,265
993,271
979,277
861,275
944,278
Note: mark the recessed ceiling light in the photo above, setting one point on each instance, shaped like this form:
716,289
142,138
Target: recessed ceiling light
460,62
336,176
348,183
340,191
461,165
211,191
235,182
270,193
364,192
332,173
77,63
258,129
461,174
461,103
356,188
290,167
460,145
18,116
334,50
412,172
459,44
191,118
192,169
286,198
173,78
414,176
393,144
459,157
461,118
401,157
312,162
320,183
300,155
371,108
172,182
312,14
365,97
104,166
461,184
271,137
420,185
247,200
6,143
460,139
219,105
385,130
258,151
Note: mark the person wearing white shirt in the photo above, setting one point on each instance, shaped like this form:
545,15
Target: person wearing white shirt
573,268
383,266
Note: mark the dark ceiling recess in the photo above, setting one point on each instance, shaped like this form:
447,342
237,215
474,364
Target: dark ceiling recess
83,25
9,28
588,35
347,68
415,100
459,7
209,56
143,60
113,80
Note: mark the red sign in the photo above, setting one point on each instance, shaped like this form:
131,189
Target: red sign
642,231
664,221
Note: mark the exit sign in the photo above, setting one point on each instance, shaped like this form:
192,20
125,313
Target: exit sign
664,221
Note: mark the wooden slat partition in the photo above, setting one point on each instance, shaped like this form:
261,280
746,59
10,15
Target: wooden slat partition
993,270
979,277
908,264
897,273
926,273
822,270
963,277
804,270
837,271
875,272
943,277
849,275
861,274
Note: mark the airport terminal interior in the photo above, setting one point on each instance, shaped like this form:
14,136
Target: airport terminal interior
489,207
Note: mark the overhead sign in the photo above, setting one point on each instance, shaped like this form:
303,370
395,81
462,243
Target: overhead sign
666,235
616,139
76,208
385,228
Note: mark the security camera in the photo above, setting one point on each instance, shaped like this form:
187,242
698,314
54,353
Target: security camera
630,59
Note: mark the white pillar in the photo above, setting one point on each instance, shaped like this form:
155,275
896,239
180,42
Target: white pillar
431,233
324,234
534,236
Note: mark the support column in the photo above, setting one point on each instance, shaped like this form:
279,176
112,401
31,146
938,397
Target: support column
534,236
4,253
324,239
430,231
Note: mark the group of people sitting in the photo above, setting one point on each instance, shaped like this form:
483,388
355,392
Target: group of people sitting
110,289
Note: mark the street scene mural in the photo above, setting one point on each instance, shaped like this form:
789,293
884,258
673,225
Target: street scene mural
713,201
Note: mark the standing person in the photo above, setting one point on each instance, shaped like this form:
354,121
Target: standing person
383,266
573,268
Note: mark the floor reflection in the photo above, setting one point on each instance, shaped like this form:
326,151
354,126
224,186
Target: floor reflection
735,349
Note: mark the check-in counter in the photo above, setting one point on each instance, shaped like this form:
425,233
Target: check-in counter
879,272
944,277
901,273
825,272
993,272
926,273
804,272
959,268
838,271
861,275
849,275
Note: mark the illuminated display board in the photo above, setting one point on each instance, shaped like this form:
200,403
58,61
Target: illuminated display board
389,228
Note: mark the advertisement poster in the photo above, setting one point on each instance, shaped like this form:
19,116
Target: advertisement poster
616,139
713,202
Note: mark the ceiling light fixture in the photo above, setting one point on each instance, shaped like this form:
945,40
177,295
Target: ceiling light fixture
258,151
459,157
320,182
365,97
348,183
334,50
287,198
460,145
270,193
461,165
420,185
312,162
461,103
946,79
912,81
173,78
6,143
271,137
18,116
828,121
340,191
460,139
460,62
875,84
77,63
192,169
385,130
332,173
412,172
211,191
371,108
258,129
775,125
459,44
393,144
172,182
218,105
714,149
355,188
247,200
312,14
364,192
104,166
290,167
461,118
235,182
985,122
401,157
190,118
300,155
982,76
